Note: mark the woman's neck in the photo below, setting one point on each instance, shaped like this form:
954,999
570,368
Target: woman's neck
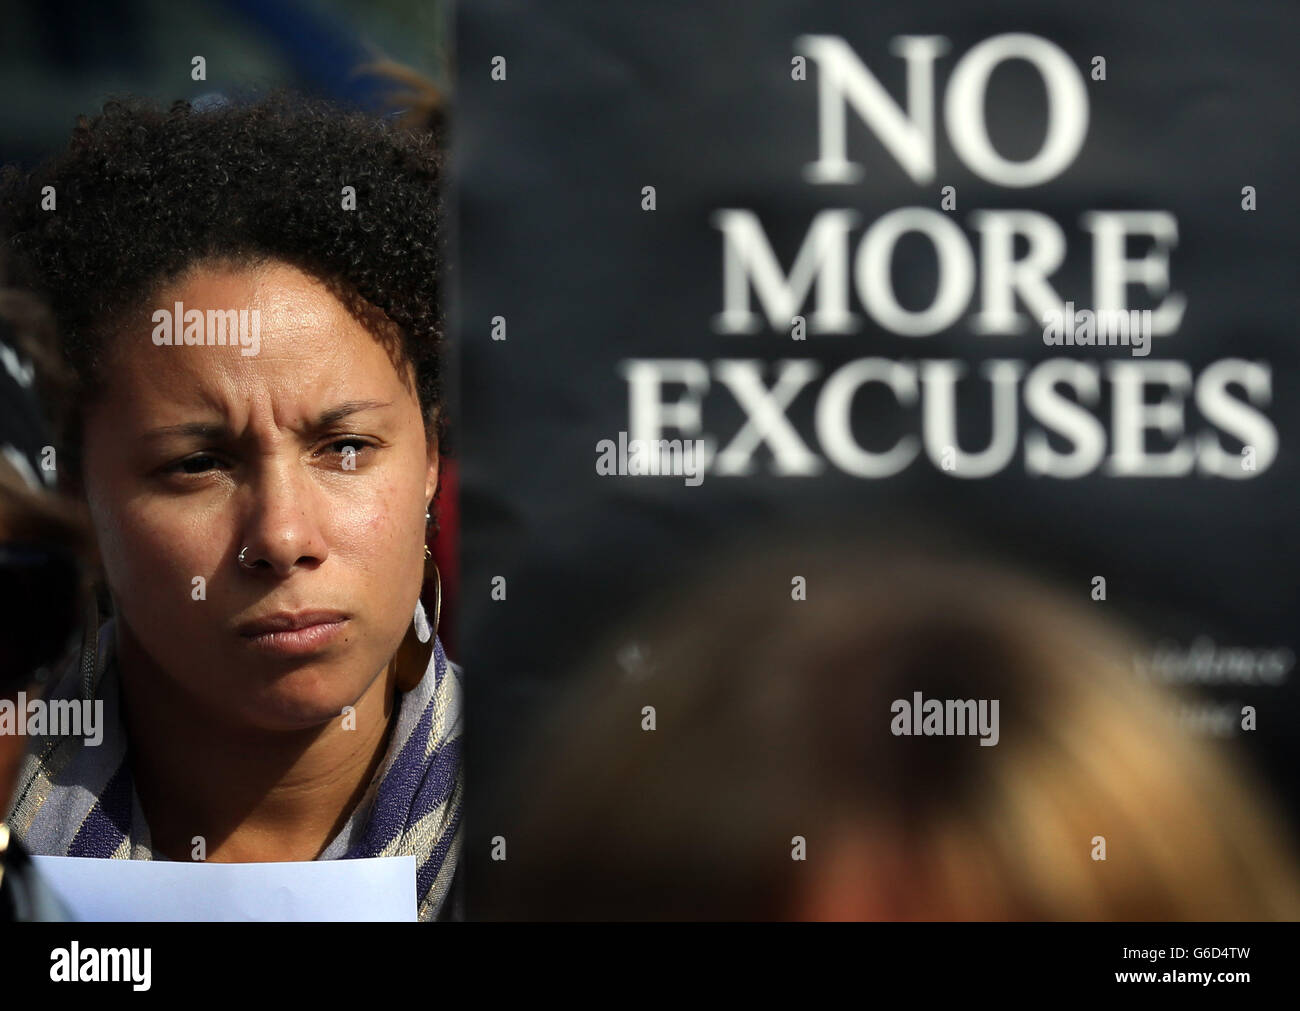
250,795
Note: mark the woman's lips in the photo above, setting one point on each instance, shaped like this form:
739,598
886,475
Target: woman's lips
294,635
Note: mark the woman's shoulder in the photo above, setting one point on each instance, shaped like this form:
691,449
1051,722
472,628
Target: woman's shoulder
74,748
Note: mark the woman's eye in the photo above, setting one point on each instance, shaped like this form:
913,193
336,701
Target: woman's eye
194,465
347,450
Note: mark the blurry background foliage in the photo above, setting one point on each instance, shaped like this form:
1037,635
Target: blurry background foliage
63,58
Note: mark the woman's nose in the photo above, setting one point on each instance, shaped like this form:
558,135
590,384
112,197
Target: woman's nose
283,530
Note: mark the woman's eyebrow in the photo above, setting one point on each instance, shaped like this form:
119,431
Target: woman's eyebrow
336,414
218,430
196,429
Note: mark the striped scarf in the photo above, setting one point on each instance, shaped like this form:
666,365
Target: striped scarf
79,801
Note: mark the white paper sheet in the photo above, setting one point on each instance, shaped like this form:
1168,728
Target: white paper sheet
380,888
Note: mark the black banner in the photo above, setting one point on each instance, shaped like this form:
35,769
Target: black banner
1021,276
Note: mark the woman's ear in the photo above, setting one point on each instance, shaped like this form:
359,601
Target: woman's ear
431,475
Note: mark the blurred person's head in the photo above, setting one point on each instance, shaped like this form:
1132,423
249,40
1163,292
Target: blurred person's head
774,737
286,471
41,534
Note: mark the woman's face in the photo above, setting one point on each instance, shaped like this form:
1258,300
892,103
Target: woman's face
311,454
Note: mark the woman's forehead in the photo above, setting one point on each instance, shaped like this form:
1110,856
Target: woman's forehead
237,339
286,296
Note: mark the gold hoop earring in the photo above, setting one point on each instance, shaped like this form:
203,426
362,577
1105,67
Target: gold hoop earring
437,597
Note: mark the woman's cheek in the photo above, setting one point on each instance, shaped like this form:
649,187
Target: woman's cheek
394,559
377,526
159,555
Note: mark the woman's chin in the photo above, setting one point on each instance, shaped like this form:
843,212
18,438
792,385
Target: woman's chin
288,706
295,714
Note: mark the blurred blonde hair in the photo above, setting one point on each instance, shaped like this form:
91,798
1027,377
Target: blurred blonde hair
773,721
421,102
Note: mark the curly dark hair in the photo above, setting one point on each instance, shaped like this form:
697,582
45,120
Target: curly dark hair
144,192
